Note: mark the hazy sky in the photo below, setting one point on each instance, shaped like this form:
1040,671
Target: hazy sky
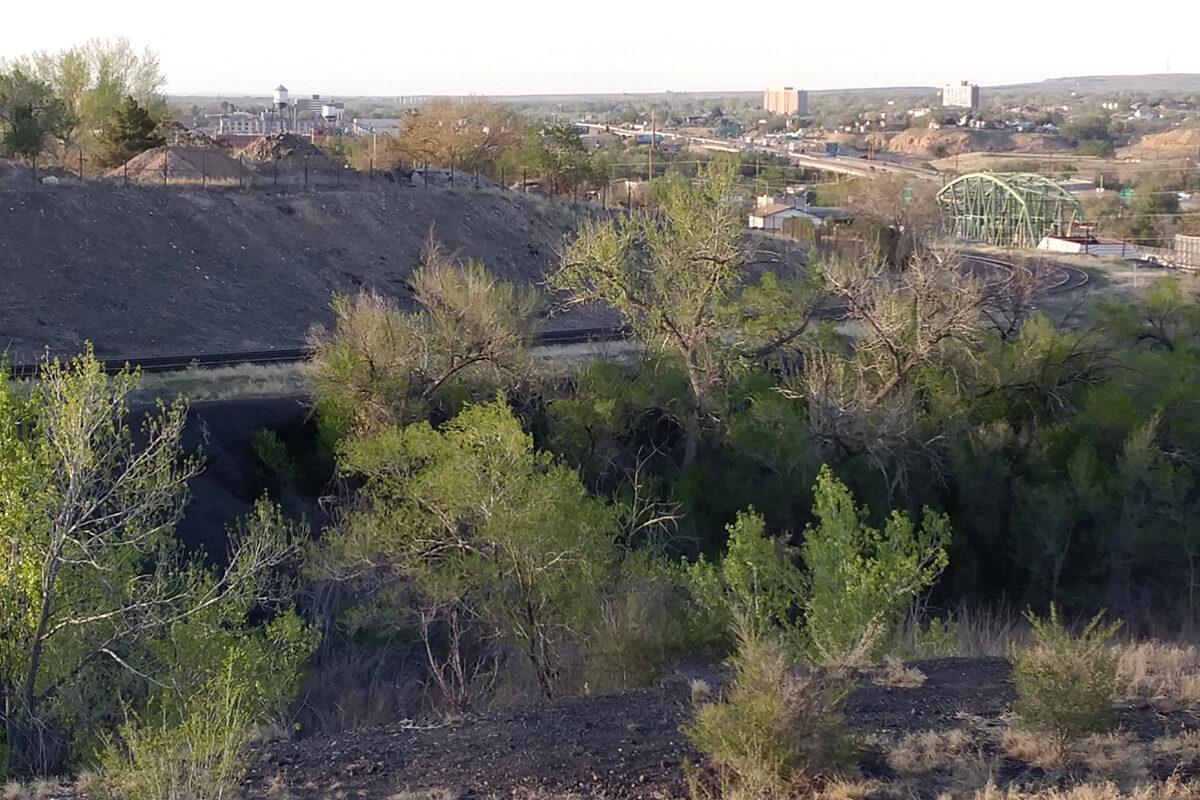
545,46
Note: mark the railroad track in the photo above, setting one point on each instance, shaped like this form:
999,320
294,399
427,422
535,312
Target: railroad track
1061,279
296,355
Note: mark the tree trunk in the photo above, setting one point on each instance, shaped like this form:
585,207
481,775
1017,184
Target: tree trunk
34,750
700,394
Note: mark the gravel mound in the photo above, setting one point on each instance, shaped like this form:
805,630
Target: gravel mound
293,161
180,163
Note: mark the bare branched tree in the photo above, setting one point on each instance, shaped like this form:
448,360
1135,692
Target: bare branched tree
863,402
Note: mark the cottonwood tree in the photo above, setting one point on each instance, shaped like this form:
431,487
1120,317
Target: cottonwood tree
901,209
674,275
382,364
464,134
481,524
558,155
93,80
90,570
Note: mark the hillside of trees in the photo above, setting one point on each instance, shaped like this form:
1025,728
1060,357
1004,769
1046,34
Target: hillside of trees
756,482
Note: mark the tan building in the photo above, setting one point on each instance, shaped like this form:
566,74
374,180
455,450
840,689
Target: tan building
786,101
961,95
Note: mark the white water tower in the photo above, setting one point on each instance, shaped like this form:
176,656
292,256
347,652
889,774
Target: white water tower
281,97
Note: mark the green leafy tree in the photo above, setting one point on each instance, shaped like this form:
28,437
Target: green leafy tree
674,275
92,574
30,114
860,578
482,524
129,130
93,80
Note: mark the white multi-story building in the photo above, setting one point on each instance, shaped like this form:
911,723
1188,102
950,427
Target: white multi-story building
961,95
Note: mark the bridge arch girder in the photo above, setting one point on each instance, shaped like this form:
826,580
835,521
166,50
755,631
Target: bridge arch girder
1014,209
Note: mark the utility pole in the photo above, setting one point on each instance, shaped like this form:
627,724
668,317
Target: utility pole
650,152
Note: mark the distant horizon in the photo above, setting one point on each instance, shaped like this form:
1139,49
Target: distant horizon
540,47
720,92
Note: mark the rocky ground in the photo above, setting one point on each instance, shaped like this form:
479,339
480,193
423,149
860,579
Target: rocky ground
941,729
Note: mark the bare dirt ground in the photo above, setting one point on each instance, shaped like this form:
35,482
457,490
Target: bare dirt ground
628,745
142,271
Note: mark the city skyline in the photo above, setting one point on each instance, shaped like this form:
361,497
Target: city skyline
536,47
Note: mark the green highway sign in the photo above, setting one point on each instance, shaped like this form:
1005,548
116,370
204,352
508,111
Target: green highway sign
1126,194
908,194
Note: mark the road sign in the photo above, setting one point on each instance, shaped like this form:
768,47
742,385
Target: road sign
1126,194
908,194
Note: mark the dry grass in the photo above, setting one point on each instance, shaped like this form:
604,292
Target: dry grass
226,383
1172,789
1164,675
845,789
1182,751
37,790
1039,749
968,632
895,674
1116,758
1113,757
929,751
426,794
956,761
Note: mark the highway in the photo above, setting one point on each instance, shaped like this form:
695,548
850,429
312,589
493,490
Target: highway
844,165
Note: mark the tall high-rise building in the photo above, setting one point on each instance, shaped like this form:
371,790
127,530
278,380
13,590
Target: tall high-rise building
961,95
786,101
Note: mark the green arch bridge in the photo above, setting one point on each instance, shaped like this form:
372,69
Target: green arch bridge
1008,209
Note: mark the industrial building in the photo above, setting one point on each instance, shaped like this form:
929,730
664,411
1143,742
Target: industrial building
1087,244
787,101
961,95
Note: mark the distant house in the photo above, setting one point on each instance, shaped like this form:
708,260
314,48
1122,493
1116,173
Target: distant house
365,126
770,217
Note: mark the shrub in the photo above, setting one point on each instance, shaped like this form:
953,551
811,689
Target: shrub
190,743
861,579
647,619
1066,684
776,731
757,582
273,453
200,758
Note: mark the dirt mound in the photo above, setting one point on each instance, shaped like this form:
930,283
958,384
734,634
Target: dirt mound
1179,143
941,142
290,160
174,164
153,270
281,147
